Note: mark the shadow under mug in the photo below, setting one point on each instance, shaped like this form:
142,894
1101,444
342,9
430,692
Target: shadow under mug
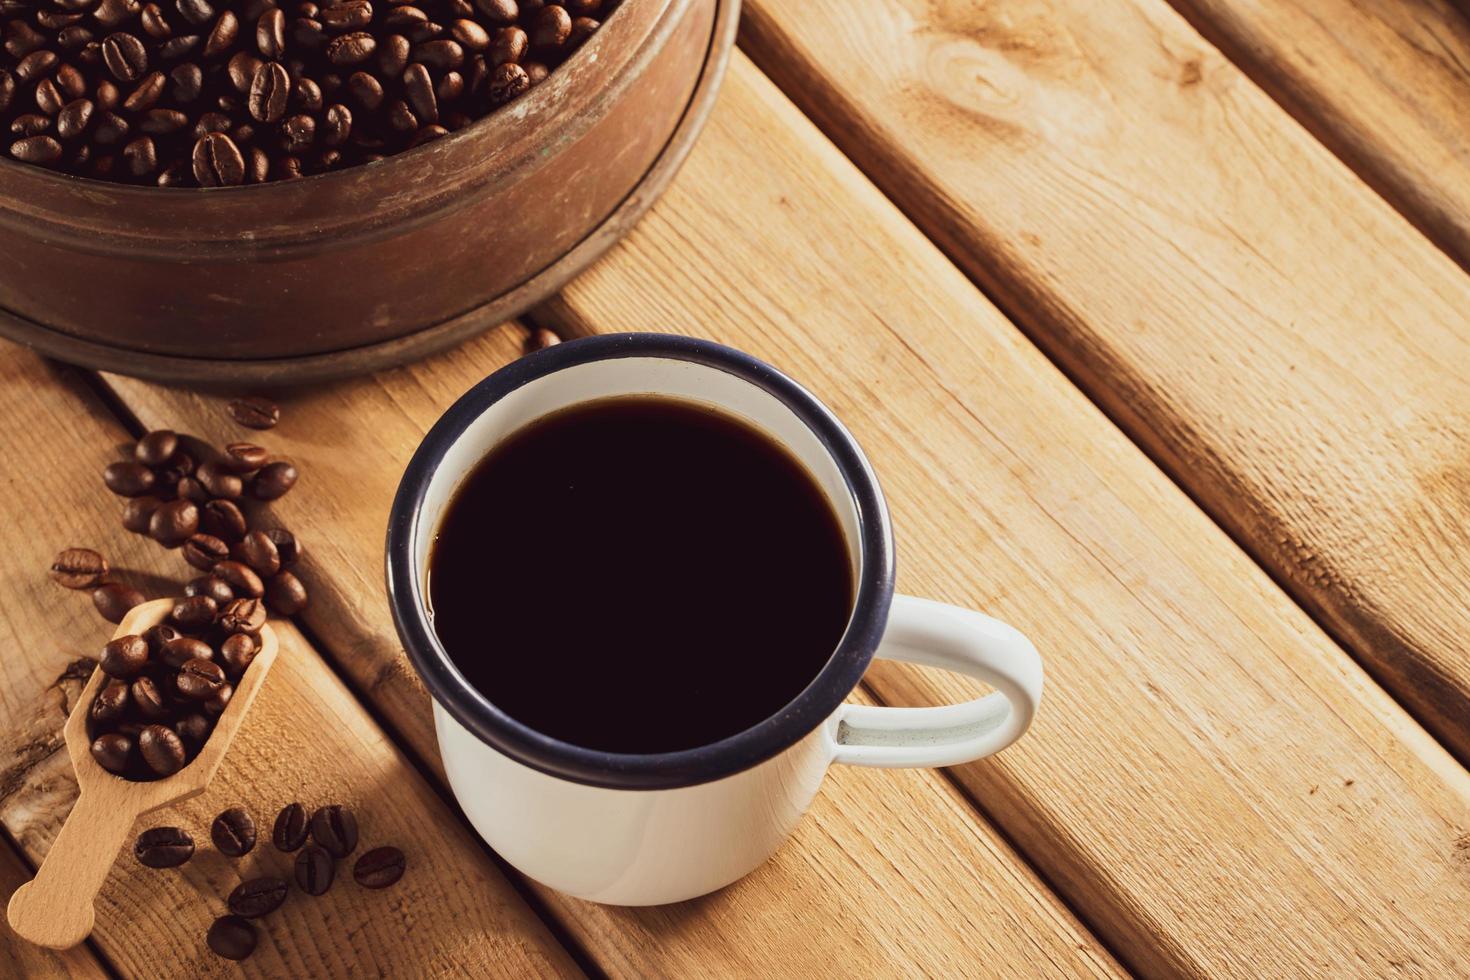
630,829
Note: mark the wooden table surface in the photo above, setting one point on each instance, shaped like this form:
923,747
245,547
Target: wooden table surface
1155,323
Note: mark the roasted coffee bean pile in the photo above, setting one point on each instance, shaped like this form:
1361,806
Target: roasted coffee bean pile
332,830
185,93
185,495
166,688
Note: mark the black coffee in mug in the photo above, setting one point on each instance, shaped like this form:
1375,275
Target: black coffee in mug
639,574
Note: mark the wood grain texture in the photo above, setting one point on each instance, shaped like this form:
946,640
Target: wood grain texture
893,875
1384,83
1211,781
305,738
1290,347
19,958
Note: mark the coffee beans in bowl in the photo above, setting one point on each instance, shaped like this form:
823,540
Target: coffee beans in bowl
194,94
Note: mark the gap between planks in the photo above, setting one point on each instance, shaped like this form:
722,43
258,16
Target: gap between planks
1159,227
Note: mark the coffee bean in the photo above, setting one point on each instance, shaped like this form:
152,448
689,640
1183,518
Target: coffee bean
231,937
508,47
193,613
450,87
297,133
243,616
124,656
288,546
213,586
233,833
219,481
236,654
109,129
255,412
285,594
551,28
314,870
499,11
182,649
216,705
124,56
393,55
351,15
217,161
241,578
178,47
270,33
162,751
351,49
113,752
268,92
222,36
291,828
258,551
174,522
440,55
241,70
338,125
335,829
179,465
157,447
147,699
405,18
244,457
193,730
379,868
257,897
82,568
163,847
199,679
418,89
582,29
273,481
113,600
137,512
401,117
509,81
128,479
223,519
540,339
35,66
48,97
141,156
110,704
188,83
470,35
365,90
157,637
204,551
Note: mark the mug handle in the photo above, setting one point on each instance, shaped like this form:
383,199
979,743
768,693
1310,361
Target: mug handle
937,635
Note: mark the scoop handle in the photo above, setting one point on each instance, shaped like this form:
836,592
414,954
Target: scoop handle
55,908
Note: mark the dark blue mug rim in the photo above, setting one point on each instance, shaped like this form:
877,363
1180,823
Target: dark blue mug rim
665,770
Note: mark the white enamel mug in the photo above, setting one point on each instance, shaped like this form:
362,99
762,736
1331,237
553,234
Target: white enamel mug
648,829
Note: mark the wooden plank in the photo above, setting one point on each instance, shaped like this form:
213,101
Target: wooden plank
1211,781
306,738
1383,83
19,958
893,875
1289,347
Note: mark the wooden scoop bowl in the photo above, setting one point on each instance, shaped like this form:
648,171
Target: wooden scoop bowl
55,908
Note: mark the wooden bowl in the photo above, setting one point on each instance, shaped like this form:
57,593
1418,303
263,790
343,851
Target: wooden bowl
373,265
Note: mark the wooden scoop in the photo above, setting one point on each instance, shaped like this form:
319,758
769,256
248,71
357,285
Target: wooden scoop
55,908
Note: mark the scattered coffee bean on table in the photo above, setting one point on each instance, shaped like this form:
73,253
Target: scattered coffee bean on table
78,568
114,600
257,897
314,870
192,94
291,827
233,833
231,937
335,828
163,847
379,868
186,495
255,412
